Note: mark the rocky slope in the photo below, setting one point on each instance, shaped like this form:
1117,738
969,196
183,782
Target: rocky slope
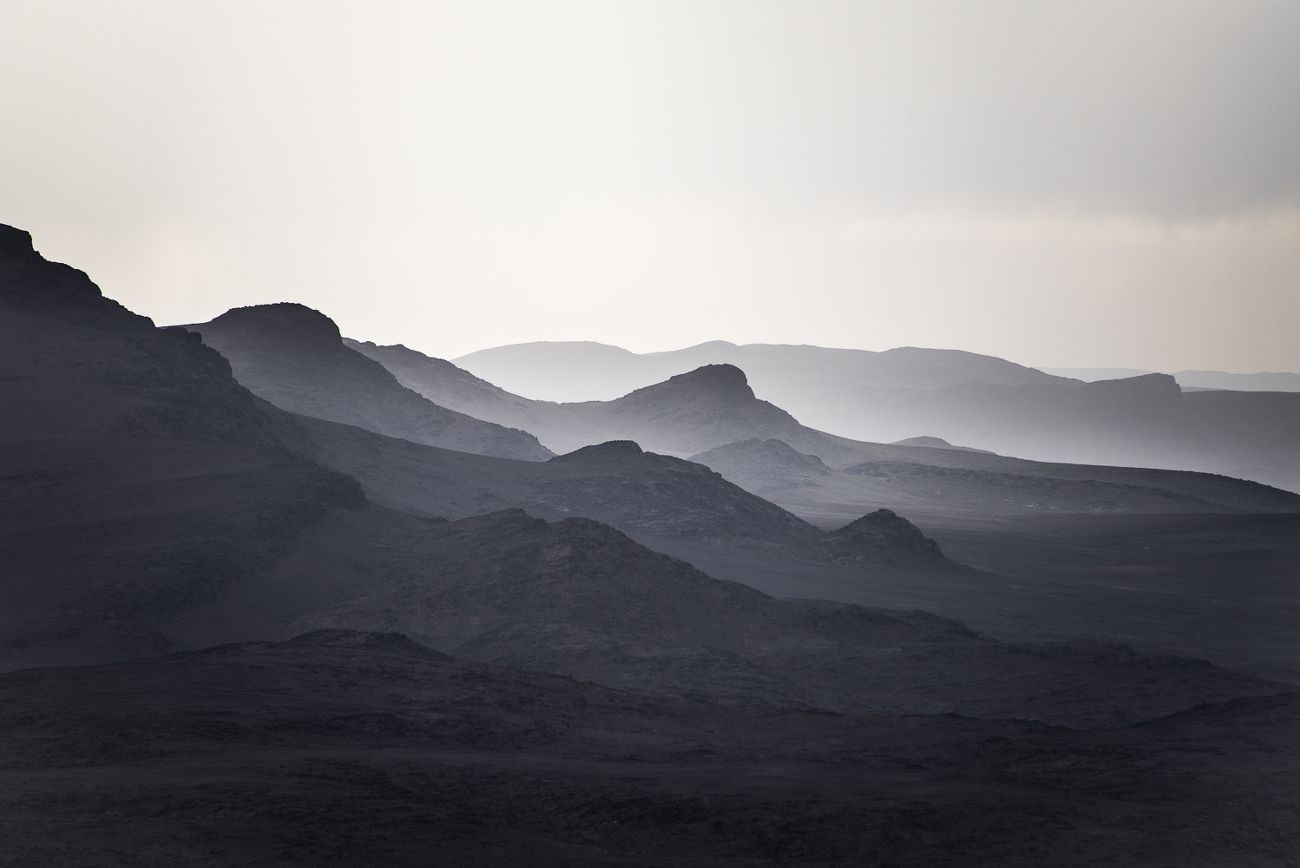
137,478
295,358
658,499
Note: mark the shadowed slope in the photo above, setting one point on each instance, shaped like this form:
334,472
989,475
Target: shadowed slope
137,478
581,598
295,358
658,499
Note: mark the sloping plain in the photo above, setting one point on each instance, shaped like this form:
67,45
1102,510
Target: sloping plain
342,748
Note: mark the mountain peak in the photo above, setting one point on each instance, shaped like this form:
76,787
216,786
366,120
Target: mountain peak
716,378
16,243
286,319
883,535
615,451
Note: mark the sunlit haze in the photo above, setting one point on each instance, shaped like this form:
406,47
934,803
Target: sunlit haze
1058,183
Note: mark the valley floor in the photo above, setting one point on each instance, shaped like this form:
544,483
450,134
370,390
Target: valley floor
366,751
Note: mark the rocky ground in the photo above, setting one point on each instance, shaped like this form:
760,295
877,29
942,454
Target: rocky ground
348,748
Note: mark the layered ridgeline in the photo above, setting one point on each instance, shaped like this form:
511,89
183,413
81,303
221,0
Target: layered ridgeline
583,371
658,499
295,358
150,502
979,401
712,415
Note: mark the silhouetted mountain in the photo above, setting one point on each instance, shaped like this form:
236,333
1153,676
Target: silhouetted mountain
295,358
936,443
658,499
138,480
884,534
705,406
690,412
1264,381
443,383
1270,381
150,502
197,510
978,401
583,371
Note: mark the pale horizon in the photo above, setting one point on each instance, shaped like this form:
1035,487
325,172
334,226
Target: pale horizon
1101,186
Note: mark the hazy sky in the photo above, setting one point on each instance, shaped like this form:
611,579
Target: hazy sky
1060,183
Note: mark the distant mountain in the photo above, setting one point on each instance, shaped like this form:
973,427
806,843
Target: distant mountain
688,412
705,407
978,401
931,485
936,443
583,371
1276,381
449,386
1281,381
295,358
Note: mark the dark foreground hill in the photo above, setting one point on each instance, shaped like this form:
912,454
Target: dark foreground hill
343,748
137,478
295,358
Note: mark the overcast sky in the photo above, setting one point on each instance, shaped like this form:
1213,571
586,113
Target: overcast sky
1059,183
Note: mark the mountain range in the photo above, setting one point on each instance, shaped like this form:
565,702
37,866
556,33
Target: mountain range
712,415
274,597
1263,381
977,401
